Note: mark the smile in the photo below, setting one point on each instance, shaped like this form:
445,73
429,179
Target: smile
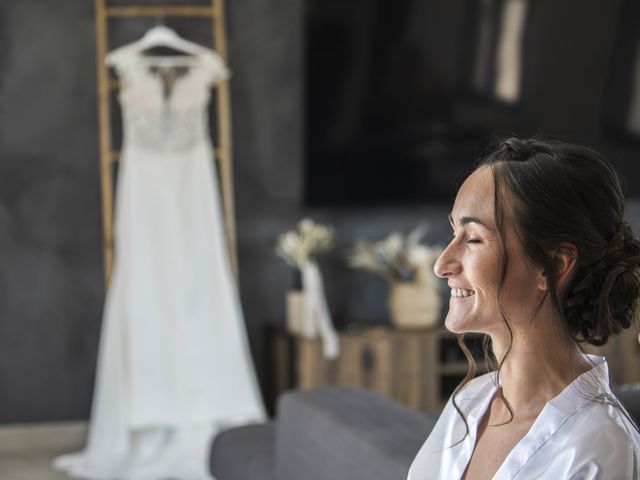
461,292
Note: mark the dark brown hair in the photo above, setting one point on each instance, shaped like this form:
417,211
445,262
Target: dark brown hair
558,194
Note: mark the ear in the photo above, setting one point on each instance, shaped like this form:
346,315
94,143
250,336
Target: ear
564,257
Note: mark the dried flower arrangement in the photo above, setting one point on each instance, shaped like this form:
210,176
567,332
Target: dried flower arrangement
397,258
298,247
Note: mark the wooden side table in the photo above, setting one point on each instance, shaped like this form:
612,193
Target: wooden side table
419,368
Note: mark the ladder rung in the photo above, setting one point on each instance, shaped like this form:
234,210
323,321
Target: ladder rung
115,154
161,11
114,84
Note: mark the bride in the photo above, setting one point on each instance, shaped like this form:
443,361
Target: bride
541,261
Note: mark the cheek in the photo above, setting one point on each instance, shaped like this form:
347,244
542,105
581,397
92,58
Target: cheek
521,296
521,278
485,272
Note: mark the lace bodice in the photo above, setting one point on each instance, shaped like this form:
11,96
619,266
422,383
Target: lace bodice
164,99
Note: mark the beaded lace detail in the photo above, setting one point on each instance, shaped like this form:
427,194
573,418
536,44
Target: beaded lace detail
164,99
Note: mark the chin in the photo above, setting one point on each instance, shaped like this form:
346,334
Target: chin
462,324
455,324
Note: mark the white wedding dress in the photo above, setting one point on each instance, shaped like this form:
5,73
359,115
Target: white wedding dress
174,365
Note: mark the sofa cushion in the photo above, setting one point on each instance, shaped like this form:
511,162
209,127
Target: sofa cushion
346,433
629,396
244,453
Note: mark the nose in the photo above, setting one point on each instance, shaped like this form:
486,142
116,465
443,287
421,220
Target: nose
447,264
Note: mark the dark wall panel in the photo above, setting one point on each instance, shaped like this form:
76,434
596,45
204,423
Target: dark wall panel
51,283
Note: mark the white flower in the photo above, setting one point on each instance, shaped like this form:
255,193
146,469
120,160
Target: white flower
419,255
393,244
297,247
305,226
364,256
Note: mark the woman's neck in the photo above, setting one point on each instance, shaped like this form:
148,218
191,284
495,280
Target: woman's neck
539,365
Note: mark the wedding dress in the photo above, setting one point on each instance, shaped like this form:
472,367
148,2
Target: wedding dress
174,365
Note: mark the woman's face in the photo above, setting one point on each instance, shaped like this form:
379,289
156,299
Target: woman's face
471,264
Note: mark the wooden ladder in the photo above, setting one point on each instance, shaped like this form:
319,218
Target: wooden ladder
108,156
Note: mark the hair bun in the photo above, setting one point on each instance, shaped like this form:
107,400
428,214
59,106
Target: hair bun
522,149
605,301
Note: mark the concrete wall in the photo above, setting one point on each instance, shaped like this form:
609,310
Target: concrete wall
51,280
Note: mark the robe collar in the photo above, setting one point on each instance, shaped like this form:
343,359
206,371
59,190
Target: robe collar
475,400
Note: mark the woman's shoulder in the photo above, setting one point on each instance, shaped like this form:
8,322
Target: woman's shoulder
603,439
607,417
604,431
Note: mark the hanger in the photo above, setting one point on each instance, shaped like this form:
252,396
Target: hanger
162,36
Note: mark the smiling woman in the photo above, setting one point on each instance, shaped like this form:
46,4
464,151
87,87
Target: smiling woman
541,261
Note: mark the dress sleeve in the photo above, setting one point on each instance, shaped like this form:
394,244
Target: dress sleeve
214,67
119,58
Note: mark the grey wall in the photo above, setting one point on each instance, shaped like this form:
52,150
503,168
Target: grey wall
51,282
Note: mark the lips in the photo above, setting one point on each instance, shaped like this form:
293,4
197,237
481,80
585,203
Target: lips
461,292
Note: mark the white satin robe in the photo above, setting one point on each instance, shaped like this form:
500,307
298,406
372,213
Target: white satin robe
574,437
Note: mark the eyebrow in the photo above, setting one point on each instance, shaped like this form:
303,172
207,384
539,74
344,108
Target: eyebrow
466,220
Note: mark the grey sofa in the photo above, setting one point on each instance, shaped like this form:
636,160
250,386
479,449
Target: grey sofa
335,434
326,433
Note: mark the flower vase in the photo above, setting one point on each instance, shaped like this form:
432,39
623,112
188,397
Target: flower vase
299,316
413,305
